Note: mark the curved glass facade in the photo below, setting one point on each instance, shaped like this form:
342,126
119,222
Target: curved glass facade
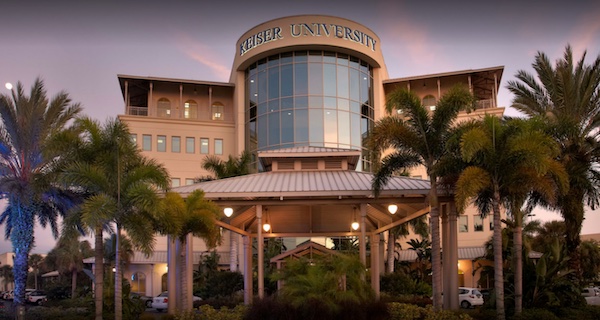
309,98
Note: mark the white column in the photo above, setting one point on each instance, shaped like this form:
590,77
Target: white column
446,289
189,270
171,274
247,269
375,264
453,246
260,249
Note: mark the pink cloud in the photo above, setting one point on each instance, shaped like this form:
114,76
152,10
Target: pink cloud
203,54
586,33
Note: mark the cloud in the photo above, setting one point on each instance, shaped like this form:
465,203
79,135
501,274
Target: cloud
203,54
586,32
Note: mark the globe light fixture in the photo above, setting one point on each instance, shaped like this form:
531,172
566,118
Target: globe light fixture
228,212
355,225
266,227
392,208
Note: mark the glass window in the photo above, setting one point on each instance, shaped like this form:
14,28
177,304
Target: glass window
315,72
491,222
190,144
175,182
190,109
300,79
204,145
189,182
163,109
161,143
274,82
463,223
133,138
138,283
287,129
477,223
274,128
428,100
147,142
218,146
175,144
217,111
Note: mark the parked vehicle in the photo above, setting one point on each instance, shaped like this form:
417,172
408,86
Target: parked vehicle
37,297
147,300
8,295
469,297
161,301
590,292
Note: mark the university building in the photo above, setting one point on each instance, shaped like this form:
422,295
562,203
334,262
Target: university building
303,94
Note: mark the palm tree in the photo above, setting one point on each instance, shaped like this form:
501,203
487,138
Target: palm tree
567,96
28,167
193,216
418,226
507,161
122,188
233,167
68,254
35,262
418,138
6,273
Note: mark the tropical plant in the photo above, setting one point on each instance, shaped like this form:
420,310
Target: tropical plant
418,138
68,254
418,226
590,260
423,250
193,216
507,161
546,233
35,262
29,165
6,273
122,188
233,167
567,96
330,280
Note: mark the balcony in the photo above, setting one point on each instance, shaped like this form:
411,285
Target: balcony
485,104
137,111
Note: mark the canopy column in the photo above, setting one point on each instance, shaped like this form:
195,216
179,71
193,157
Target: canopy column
446,288
171,273
363,234
247,240
261,253
375,264
453,244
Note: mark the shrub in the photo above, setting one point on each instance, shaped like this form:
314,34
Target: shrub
398,283
536,314
209,313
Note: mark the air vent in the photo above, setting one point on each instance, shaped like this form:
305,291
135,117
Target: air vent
310,165
333,164
285,165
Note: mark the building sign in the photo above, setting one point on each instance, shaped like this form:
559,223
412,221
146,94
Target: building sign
297,30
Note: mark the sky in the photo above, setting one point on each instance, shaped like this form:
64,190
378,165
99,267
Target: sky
81,46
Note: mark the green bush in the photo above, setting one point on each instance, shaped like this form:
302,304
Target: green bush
402,311
45,313
536,314
398,283
209,313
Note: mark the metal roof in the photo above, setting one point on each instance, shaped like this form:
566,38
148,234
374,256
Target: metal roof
162,257
304,184
464,253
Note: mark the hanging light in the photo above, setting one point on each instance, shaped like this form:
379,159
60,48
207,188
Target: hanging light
354,224
266,225
228,212
392,208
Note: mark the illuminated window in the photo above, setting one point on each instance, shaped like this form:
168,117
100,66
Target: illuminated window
189,145
463,224
175,182
175,144
161,143
491,222
190,109
429,102
217,111
477,223
218,146
163,109
204,145
147,142
189,182
133,138
138,283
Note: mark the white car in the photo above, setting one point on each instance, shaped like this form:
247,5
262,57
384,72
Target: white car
469,297
37,297
590,292
161,301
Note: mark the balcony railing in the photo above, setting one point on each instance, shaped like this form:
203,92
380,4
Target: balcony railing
137,111
485,104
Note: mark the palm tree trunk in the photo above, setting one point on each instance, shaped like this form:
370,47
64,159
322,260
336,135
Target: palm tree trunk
498,260
22,239
73,283
573,215
391,245
233,252
518,256
183,272
118,277
98,272
436,261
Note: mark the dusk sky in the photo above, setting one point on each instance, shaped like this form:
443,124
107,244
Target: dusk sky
81,47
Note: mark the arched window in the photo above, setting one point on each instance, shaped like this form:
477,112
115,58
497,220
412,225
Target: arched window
164,108
138,283
429,102
190,109
217,111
